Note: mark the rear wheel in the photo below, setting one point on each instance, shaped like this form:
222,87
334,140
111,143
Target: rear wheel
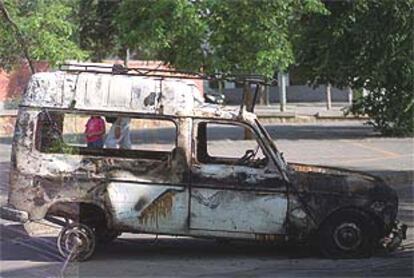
349,233
76,242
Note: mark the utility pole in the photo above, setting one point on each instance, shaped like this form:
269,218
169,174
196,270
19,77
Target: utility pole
328,97
350,95
126,58
282,90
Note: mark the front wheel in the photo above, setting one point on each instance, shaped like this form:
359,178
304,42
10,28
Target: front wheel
349,233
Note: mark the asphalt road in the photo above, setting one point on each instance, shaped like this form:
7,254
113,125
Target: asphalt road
345,144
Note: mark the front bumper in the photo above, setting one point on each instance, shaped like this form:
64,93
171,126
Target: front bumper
395,238
12,214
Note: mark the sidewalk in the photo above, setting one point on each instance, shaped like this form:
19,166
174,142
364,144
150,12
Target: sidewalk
302,109
304,112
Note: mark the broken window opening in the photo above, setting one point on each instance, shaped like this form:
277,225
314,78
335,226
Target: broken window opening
152,138
224,143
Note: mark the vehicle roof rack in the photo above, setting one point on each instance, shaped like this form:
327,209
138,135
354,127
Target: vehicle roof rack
119,69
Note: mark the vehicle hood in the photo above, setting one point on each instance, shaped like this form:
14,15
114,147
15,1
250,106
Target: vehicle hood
323,190
330,180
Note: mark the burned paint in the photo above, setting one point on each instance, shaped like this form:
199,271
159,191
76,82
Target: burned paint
212,201
324,190
268,238
148,207
142,202
161,207
238,177
238,211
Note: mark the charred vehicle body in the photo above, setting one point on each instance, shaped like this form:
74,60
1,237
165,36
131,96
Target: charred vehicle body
184,189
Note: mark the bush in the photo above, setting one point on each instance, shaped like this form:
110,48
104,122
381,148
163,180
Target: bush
391,112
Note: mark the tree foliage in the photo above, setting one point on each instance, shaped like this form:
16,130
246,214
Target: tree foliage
46,30
166,30
365,44
237,37
97,32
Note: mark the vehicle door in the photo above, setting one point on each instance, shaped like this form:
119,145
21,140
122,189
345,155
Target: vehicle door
150,191
235,186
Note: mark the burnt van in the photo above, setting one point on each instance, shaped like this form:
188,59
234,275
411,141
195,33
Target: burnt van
177,177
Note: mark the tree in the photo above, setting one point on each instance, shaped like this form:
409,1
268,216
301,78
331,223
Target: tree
365,44
214,36
44,28
97,31
230,37
166,30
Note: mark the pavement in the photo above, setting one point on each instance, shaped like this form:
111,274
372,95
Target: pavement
349,144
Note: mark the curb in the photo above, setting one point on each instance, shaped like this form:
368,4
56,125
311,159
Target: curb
297,118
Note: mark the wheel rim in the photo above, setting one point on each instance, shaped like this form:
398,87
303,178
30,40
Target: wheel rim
76,242
347,236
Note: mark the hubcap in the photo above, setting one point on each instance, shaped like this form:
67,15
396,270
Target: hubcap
76,242
347,236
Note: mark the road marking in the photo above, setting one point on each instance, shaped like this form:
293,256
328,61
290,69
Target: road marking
373,158
378,150
384,154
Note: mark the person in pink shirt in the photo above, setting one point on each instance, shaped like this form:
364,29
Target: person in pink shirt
95,131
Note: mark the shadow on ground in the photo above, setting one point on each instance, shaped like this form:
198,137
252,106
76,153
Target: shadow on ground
169,256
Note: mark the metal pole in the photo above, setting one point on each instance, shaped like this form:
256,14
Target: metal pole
282,91
328,97
350,95
126,58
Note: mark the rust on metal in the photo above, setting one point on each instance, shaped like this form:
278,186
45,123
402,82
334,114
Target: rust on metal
158,208
268,237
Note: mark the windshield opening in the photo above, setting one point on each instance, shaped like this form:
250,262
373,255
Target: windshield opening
279,157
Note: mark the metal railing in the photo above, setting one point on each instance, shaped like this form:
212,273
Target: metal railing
165,73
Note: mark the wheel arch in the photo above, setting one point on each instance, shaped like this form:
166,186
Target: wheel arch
81,211
379,223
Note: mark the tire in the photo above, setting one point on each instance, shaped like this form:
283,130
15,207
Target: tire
349,233
76,242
